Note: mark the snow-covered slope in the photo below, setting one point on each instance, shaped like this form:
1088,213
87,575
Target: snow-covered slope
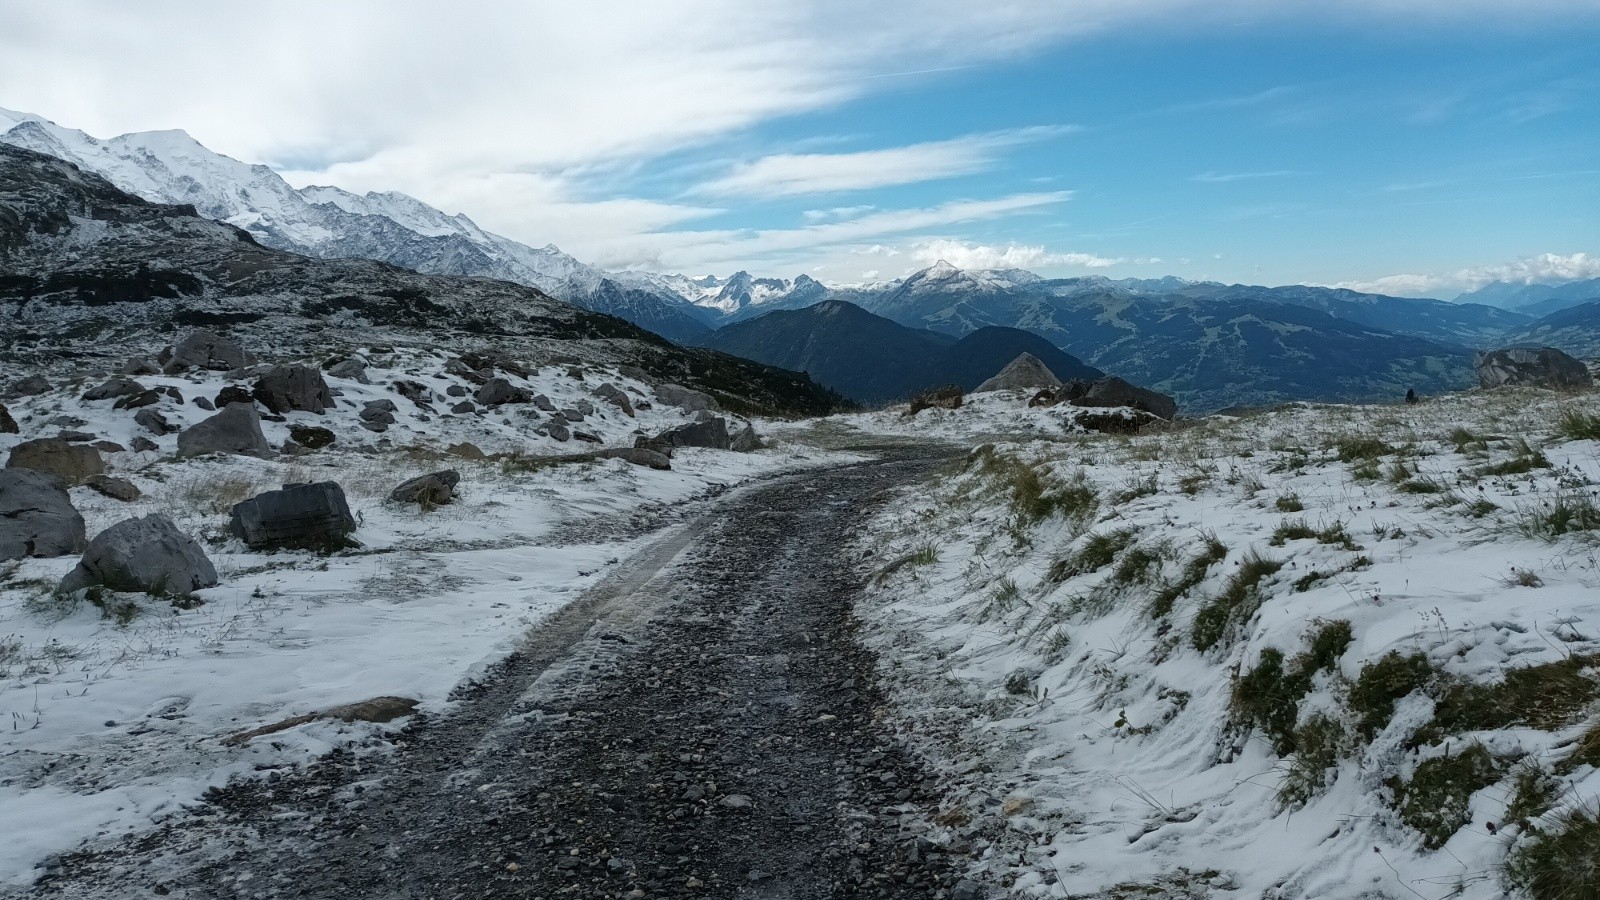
332,223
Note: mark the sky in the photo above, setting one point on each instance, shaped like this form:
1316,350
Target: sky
1417,147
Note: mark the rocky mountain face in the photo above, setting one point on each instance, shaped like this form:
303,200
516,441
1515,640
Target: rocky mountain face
1574,329
93,275
331,223
1534,299
873,360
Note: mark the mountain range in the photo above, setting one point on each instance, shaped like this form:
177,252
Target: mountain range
1209,344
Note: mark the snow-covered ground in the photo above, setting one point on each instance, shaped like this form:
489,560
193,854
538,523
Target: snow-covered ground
1081,630
113,721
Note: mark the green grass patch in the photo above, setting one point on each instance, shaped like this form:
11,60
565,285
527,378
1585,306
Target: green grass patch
1566,514
1268,696
1318,744
1194,572
1289,503
1548,697
1361,447
1577,425
1561,862
1384,681
1533,792
1436,801
1098,551
1237,602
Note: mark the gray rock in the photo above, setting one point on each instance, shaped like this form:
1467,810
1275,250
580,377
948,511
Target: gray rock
143,398
745,441
115,488
1025,373
311,437
8,425
636,373
465,450
298,517
205,404
148,554
37,517
417,393
353,368
72,463
558,431
572,415
76,437
202,349
114,387
234,393
1116,392
639,456
1544,367
236,429
465,406
141,365
617,397
587,437
290,388
456,390
684,398
142,444
68,422
435,489
497,391
153,421
375,416
543,403
109,447
584,407
712,434
29,386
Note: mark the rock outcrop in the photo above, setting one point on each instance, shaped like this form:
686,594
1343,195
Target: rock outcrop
72,462
434,489
686,399
147,554
1543,367
1025,373
236,429
712,433
1116,392
293,388
298,517
202,349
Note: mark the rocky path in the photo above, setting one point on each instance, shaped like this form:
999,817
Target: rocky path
702,725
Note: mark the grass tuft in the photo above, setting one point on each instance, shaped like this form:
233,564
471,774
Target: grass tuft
1237,602
1381,683
1561,863
1576,425
1437,800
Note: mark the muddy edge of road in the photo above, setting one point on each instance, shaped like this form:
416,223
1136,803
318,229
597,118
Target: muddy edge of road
701,724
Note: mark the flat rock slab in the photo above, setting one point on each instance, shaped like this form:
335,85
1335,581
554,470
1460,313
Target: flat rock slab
37,517
72,462
298,517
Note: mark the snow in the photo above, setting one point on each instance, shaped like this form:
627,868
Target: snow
110,727
1117,742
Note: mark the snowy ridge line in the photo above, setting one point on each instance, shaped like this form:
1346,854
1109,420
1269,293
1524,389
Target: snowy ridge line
1330,651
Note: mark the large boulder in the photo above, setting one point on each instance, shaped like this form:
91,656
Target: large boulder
36,516
745,441
615,396
712,433
202,349
290,388
148,554
8,425
114,387
352,367
1543,367
639,456
68,461
236,429
1116,392
1025,373
434,489
686,399
153,421
311,437
299,517
115,488
29,386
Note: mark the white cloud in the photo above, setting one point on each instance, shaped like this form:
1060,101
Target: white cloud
793,174
1225,177
965,255
838,212
1546,268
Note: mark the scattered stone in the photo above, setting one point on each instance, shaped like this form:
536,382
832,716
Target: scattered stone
456,390
558,431
745,441
8,425
656,444
143,398
636,373
288,388
416,392
465,450
311,437
174,393
205,404
615,396
736,801
497,391
153,421
686,399
76,437
146,554
37,517
142,444
29,386
1117,421
435,489
235,429
115,488
290,448
587,436
462,369
109,447
1544,367
353,368
68,422
712,434
116,386
639,456
141,365
543,403
1043,399
464,407
202,349
1113,391
584,407
70,462
298,517
572,415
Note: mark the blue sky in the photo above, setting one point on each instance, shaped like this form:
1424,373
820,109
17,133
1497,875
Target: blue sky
1414,146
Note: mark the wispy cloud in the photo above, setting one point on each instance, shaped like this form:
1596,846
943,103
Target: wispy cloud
1545,268
966,255
795,174
1226,177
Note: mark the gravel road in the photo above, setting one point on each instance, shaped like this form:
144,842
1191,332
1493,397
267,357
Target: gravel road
703,724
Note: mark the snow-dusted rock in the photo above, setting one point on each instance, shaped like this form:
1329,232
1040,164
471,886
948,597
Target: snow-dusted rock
712,434
8,425
1116,392
37,517
236,429
1025,373
1543,367
147,554
293,388
497,391
433,489
639,456
115,488
745,441
114,387
202,349
686,399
